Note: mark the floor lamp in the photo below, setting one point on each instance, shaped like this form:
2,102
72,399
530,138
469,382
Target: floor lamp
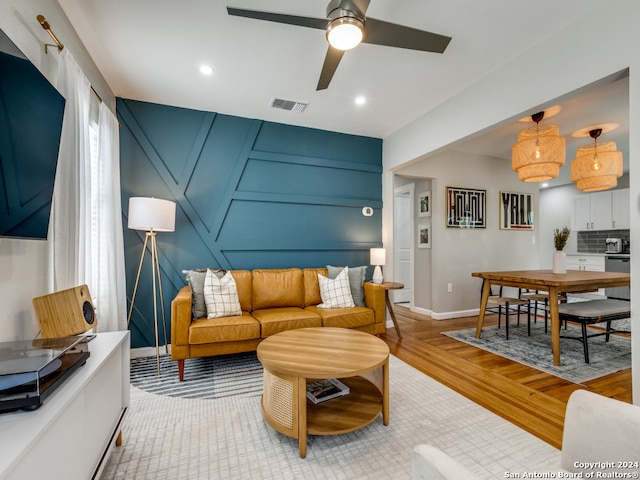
152,215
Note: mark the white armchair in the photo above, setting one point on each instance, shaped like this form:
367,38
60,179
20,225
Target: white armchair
598,433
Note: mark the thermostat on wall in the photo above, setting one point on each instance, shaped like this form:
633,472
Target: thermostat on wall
367,211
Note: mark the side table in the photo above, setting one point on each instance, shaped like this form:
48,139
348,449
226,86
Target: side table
392,286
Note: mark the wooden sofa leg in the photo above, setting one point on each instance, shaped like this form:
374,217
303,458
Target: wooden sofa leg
181,370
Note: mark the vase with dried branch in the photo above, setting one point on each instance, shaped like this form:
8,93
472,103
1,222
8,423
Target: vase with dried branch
560,238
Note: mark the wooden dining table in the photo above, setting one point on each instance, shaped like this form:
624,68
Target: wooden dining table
574,281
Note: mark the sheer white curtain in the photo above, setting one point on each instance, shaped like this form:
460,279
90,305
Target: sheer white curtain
108,246
70,222
86,245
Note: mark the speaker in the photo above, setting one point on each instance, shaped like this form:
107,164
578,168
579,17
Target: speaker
65,313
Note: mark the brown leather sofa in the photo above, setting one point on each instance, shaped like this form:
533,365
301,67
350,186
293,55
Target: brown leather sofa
272,301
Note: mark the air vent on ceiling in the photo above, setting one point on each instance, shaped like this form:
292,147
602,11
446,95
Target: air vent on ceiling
288,105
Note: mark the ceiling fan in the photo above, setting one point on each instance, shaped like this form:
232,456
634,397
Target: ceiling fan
349,16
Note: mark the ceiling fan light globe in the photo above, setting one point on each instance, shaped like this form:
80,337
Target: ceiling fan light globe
345,33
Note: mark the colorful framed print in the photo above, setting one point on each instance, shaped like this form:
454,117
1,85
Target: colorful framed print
516,211
466,208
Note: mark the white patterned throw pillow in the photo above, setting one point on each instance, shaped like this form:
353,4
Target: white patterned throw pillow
221,295
336,293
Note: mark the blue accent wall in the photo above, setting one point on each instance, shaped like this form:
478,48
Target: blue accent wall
249,193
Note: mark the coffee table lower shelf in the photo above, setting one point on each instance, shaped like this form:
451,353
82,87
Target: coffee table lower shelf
361,406
357,409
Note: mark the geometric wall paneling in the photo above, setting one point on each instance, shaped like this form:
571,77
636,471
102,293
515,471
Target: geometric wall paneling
249,194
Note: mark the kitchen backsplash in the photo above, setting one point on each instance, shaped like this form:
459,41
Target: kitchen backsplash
594,241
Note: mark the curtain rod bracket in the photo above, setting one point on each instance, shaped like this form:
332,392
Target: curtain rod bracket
47,45
43,21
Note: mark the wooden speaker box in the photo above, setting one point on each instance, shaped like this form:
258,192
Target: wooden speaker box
65,313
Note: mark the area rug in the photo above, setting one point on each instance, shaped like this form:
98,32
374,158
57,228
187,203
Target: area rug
210,377
535,350
167,437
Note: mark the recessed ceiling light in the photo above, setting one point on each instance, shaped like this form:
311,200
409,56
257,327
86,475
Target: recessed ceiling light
544,185
361,100
206,69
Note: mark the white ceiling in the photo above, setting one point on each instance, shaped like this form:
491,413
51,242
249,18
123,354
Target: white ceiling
150,50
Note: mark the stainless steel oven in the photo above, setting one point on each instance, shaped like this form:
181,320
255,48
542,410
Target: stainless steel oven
618,263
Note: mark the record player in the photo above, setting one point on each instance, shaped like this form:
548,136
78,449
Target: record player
30,370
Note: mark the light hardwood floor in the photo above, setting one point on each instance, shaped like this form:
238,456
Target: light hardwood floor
527,397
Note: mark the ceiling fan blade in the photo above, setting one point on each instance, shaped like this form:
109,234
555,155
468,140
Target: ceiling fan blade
319,23
379,32
331,61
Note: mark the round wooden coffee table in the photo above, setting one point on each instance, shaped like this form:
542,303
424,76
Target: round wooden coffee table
293,357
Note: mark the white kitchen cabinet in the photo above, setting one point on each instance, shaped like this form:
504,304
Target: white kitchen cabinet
620,208
581,213
606,210
585,261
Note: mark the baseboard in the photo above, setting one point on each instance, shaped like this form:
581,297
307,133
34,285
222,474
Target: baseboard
443,315
458,314
147,351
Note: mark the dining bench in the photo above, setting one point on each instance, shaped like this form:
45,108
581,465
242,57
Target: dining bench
591,312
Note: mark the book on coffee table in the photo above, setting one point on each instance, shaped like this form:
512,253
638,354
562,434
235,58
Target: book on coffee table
326,389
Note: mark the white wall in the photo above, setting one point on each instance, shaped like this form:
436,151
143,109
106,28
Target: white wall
456,253
557,205
24,263
575,57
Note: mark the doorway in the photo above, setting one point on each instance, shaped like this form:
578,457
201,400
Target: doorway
403,243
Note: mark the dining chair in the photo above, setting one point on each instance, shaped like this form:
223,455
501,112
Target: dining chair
536,297
497,302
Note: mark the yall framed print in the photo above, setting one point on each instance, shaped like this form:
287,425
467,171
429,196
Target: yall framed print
516,211
466,208
424,235
424,204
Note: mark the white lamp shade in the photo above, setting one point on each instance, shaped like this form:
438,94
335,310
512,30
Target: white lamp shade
377,256
155,214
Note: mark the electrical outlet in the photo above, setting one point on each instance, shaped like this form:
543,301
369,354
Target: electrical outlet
450,287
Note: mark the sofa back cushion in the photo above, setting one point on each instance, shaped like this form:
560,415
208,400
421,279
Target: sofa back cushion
243,280
311,285
274,288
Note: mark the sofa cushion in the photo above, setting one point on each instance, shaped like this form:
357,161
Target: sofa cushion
275,288
195,280
221,295
344,317
223,329
356,281
336,293
244,284
312,286
275,320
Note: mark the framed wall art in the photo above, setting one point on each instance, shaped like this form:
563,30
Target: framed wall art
516,211
424,204
466,208
424,235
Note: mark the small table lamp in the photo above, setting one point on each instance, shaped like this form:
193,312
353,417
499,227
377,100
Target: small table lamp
152,215
377,257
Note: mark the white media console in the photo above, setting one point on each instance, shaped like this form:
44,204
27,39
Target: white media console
71,434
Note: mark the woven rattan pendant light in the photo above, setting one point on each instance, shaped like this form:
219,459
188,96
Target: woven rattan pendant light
539,153
597,166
